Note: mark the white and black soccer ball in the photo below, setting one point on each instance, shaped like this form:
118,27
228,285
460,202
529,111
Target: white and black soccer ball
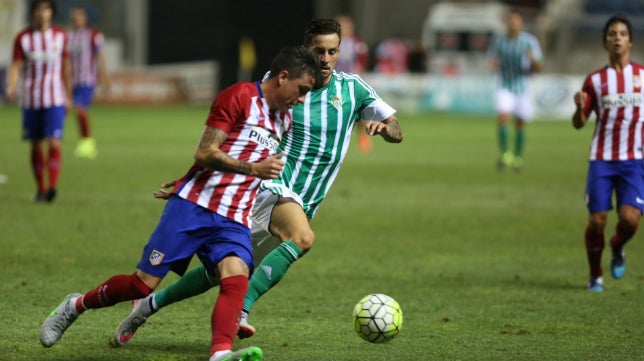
377,318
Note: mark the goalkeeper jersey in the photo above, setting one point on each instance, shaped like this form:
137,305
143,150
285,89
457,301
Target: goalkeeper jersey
320,136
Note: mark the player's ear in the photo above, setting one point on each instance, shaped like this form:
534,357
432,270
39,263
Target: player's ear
282,77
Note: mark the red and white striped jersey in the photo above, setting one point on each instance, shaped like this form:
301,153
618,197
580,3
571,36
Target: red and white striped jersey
616,98
353,55
254,134
42,55
84,46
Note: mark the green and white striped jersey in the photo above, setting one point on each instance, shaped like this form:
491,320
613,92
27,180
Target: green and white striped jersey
514,65
320,136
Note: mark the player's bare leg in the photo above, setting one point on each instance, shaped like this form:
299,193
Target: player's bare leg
288,223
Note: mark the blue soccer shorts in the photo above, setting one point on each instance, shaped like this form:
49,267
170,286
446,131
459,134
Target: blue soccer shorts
626,178
82,96
43,123
186,229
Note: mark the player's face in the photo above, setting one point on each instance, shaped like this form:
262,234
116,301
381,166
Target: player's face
293,91
78,18
327,48
42,15
514,22
618,40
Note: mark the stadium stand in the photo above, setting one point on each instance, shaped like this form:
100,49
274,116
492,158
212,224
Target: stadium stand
570,31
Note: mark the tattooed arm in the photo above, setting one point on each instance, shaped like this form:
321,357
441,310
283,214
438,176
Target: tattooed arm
208,155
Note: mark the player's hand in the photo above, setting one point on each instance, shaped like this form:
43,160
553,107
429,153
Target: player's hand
269,168
580,98
10,92
373,127
162,193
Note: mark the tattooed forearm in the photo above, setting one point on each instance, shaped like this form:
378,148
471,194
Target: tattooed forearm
211,136
243,167
221,161
208,153
393,133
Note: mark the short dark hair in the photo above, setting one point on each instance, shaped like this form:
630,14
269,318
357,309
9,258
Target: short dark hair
514,11
321,26
297,61
617,19
34,4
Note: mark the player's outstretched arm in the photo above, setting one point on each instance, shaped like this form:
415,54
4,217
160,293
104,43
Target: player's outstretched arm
389,129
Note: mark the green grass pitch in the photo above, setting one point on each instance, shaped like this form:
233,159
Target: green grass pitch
485,265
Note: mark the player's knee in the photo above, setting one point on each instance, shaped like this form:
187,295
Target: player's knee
304,239
629,219
597,222
54,143
632,223
628,225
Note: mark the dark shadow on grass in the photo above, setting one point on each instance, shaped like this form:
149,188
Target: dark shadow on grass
543,283
515,282
179,351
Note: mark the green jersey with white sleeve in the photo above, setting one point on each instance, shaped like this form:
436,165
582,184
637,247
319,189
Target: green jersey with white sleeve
514,65
320,136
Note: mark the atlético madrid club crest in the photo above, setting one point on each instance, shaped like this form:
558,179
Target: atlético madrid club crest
337,103
156,257
637,82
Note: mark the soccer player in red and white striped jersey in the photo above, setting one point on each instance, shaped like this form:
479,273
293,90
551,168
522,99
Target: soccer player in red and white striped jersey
314,149
88,66
40,55
615,93
231,194
208,212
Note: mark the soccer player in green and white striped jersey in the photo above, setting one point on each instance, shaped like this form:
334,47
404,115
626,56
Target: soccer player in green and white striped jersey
514,55
315,148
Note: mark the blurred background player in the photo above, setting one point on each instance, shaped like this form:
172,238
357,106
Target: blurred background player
354,53
615,94
354,58
513,55
40,56
392,57
208,213
88,65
